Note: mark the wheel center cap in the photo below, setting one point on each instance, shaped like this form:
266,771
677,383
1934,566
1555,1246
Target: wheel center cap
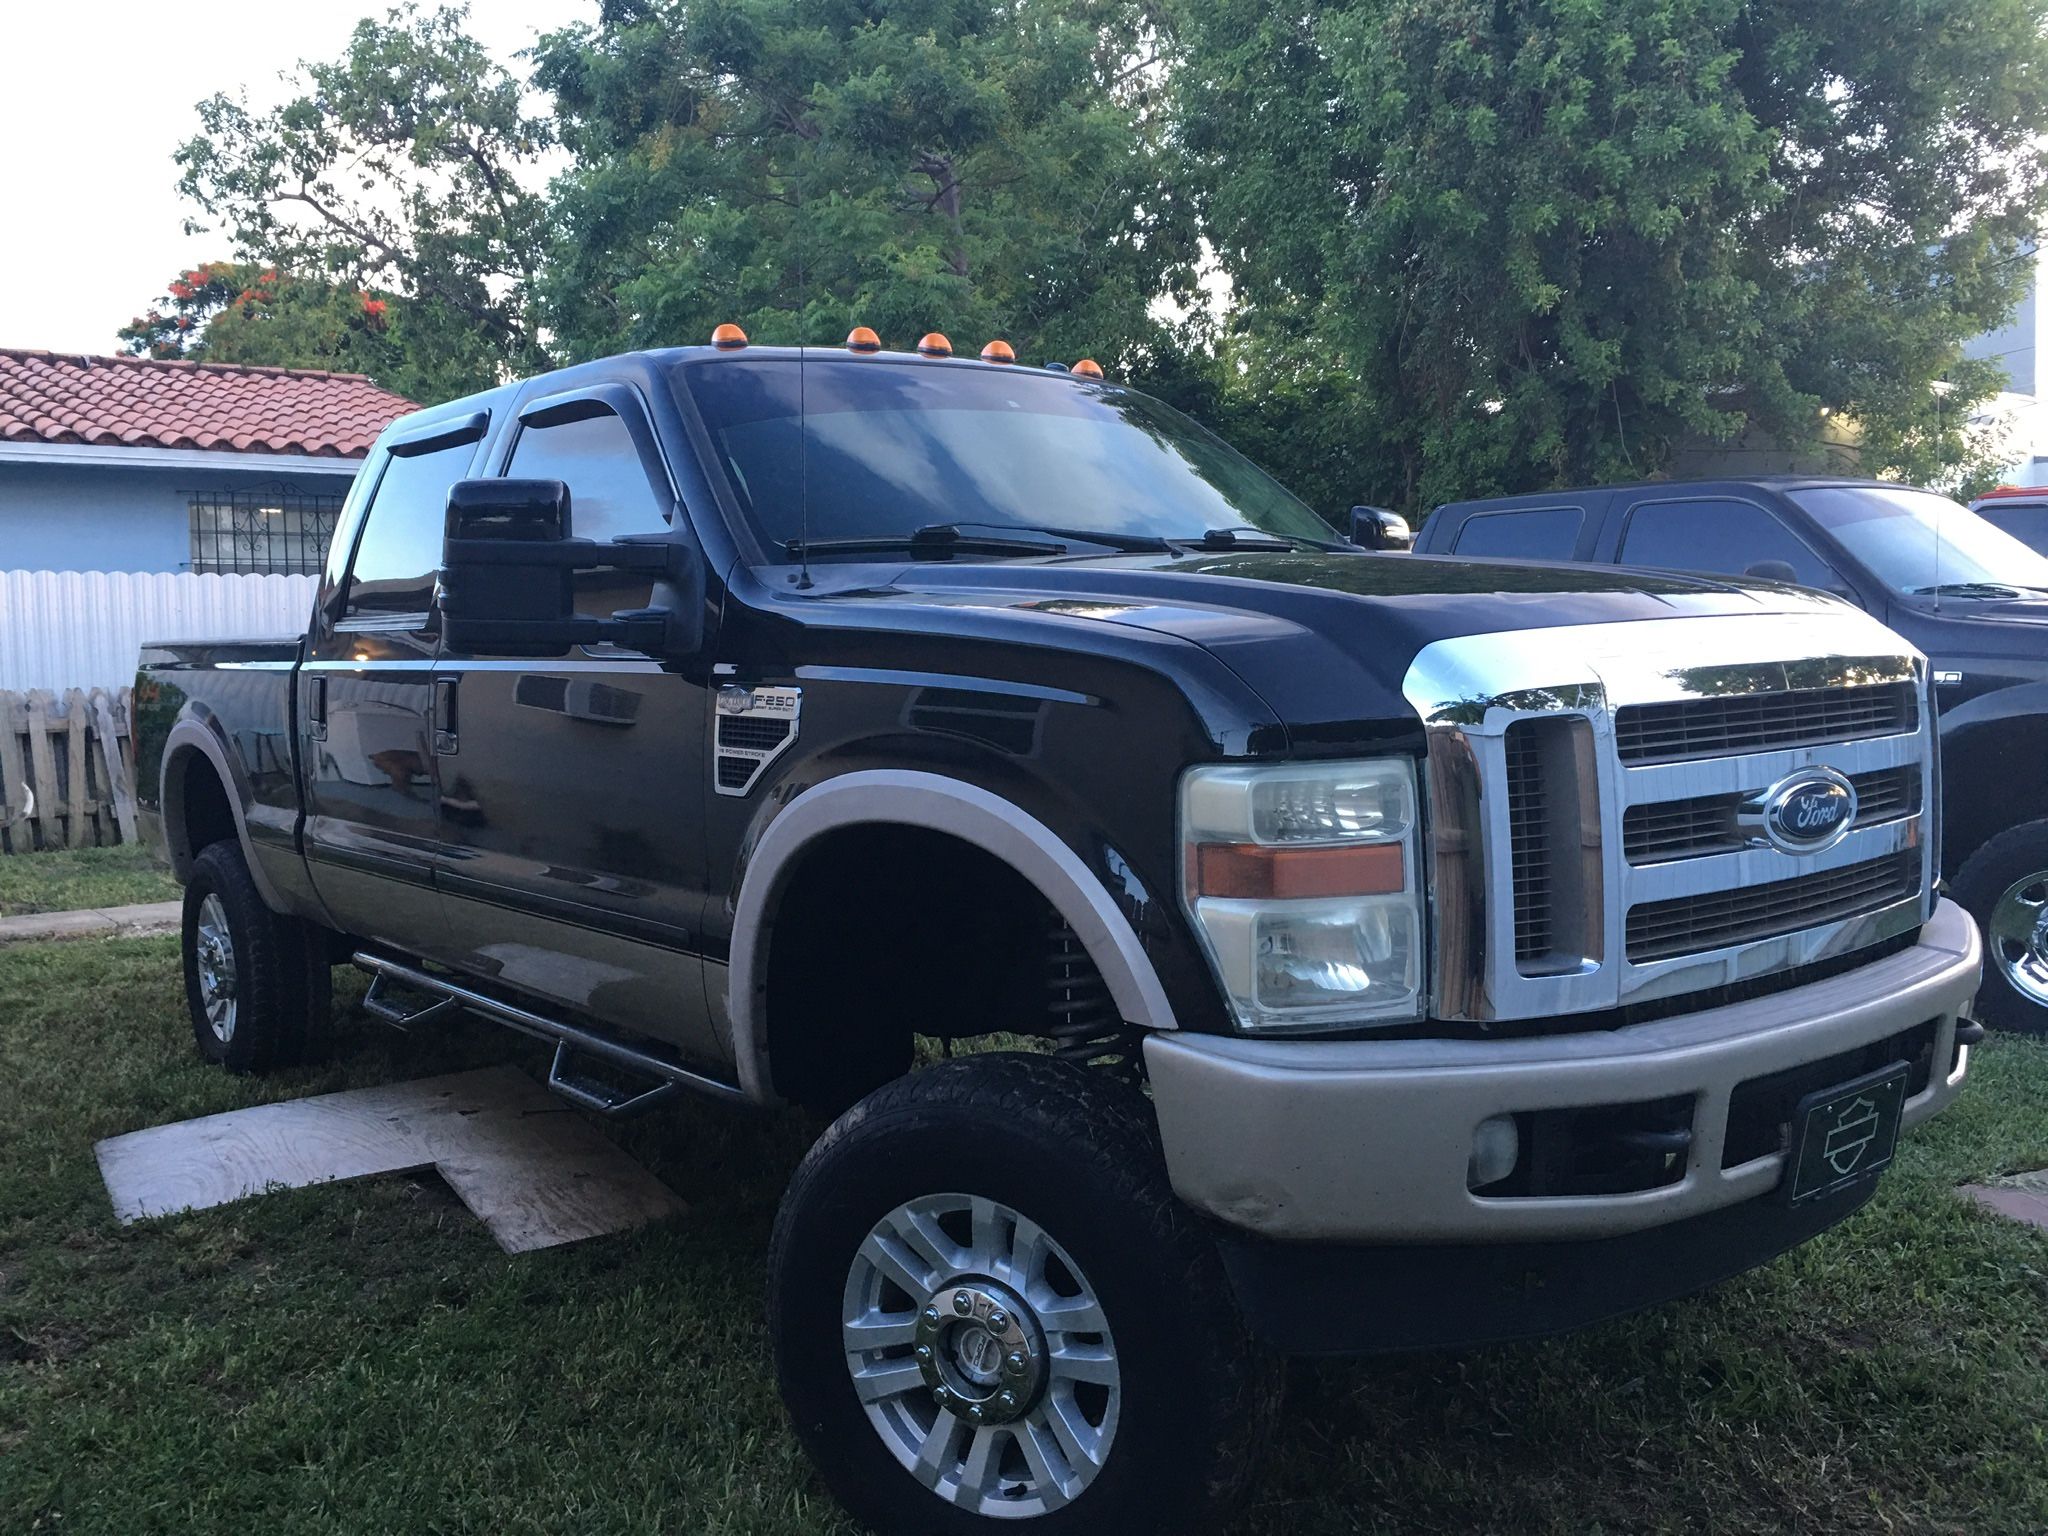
981,1351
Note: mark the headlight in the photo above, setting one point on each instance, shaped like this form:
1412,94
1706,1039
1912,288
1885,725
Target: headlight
1300,880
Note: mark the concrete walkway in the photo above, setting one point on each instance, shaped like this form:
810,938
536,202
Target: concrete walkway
93,923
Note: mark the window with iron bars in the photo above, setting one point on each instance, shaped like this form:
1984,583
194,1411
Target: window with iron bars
255,532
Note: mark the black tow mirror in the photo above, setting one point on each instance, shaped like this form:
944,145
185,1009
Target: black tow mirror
1377,528
508,577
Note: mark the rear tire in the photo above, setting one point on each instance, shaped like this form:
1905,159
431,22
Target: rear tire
2004,885
1086,1368
256,983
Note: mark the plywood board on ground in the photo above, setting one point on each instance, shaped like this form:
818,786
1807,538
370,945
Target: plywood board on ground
536,1172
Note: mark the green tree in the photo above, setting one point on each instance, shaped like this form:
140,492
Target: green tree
800,166
399,168
1549,241
239,312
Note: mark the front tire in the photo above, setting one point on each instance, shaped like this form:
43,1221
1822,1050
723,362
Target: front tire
987,1305
2004,885
255,981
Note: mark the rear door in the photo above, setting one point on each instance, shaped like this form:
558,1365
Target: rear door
571,813
366,696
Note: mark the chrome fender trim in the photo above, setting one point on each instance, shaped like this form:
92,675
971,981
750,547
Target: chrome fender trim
940,804
197,735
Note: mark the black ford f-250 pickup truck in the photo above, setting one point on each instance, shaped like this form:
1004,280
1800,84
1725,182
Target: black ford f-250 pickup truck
733,718
1968,595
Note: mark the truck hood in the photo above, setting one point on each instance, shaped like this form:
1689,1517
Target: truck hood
1324,639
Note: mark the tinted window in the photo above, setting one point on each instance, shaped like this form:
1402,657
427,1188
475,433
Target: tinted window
1918,543
595,457
1718,537
1532,533
2026,521
399,553
880,449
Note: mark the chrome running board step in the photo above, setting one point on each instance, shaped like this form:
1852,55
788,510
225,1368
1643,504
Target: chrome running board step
377,1003
596,1093
570,1040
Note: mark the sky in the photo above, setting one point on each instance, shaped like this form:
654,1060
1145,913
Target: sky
94,97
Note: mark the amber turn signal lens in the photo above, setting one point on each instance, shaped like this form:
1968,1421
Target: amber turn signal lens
1088,368
728,337
999,352
1259,872
861,339
934,344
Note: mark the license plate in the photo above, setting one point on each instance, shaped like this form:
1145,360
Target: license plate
1845,1134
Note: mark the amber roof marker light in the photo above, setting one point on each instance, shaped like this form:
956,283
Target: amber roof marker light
728,337
934,344
1088,368
861,339
999,351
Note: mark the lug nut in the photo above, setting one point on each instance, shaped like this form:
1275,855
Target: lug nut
931,1314
1007,1398
1014,1362
943,1394
962,1303
974,1411
924,1351
998,1320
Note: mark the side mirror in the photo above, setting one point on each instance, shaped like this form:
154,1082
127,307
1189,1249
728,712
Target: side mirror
1772,570
1377,528
508,577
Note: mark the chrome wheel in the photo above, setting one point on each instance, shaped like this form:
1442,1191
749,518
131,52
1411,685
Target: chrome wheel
2019,936
981,1356
214,947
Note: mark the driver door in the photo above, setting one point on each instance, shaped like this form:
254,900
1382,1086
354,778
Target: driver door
571,809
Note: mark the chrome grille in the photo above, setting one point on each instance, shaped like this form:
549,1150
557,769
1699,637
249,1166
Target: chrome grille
1688,925
1582,787
1528,843
1722,725
1705,824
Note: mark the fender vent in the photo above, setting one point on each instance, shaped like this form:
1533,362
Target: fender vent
754,727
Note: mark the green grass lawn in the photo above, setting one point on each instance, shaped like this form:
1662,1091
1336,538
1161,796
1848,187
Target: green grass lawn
362,1357
68,879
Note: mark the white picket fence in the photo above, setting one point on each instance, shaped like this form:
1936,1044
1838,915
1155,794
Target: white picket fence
81,629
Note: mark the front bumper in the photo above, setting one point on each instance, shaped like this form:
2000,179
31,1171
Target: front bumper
1368,1141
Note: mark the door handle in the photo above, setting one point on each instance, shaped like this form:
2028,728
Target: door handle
446,741
316,705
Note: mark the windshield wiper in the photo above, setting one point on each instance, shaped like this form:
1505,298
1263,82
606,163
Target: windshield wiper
1965,589
1127,543
1261,538
937,541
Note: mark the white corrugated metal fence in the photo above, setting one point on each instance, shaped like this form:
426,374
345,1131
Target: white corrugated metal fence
82,629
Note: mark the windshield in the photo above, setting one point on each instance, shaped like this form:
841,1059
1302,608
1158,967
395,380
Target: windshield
1915,542
892,448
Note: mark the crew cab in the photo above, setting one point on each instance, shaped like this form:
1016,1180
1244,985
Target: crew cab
1369,966
1968,595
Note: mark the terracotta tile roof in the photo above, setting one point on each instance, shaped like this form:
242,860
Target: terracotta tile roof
134,402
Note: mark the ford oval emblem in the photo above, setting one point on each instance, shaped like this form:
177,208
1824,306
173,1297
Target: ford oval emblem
1806,811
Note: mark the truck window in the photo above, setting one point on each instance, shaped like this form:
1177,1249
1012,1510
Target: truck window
1526,533
595,457
1720,536
399,552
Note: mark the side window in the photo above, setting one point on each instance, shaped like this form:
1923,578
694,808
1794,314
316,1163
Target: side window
1718,536
399,553
608,491
1531,533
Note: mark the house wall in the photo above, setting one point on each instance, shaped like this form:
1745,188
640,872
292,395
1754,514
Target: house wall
74,517
2015,347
